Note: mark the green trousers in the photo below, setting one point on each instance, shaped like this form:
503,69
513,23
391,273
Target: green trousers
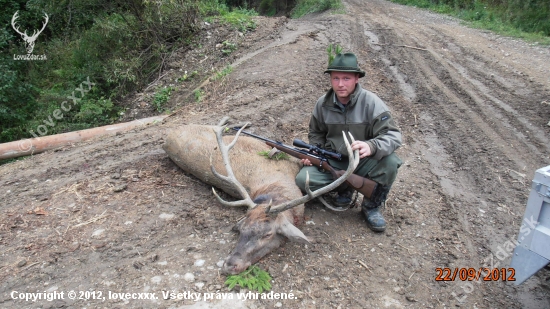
382,171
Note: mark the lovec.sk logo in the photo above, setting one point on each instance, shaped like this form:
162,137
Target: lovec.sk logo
29,40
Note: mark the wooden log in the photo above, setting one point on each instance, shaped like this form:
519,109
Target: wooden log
40,144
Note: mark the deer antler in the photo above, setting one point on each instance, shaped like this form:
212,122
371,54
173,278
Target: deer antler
353,162
35,34
13,19
224,149
24,34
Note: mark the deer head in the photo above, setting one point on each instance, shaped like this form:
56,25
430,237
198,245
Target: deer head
265,227
29,40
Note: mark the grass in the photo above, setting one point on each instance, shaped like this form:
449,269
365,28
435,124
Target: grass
304,7
240,18
199,93
482,16
228,47
278,156
223,73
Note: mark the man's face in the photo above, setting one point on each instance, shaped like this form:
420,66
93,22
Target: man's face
343,84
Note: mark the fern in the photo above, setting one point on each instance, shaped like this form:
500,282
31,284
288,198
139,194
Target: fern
254,279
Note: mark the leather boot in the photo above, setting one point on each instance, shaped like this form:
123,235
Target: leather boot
343,199
372,209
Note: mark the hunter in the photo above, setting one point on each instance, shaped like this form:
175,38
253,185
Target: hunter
350,108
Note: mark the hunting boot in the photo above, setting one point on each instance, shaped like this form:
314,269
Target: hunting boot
343,199
372,208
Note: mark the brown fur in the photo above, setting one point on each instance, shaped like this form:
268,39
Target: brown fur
191,146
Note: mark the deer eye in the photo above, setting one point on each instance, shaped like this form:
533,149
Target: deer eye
267,235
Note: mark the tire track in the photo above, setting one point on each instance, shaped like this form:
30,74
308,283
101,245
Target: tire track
480,120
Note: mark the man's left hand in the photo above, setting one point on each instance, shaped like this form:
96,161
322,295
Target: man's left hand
363,147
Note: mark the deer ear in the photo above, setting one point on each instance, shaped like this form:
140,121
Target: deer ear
291,232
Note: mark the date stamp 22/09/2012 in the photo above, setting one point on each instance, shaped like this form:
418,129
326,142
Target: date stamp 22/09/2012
474,274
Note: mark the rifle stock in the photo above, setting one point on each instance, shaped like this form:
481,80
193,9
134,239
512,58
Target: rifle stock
364,185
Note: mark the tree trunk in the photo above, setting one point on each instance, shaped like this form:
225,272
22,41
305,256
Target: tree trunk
40,144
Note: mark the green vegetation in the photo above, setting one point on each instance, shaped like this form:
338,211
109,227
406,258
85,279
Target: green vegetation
228,47
161,97
529,20
332,51
293,8
304,7
186,77
120,46
223,73
278,156
198,93
254,279
230,13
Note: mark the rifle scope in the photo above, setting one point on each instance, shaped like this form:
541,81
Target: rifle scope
300,143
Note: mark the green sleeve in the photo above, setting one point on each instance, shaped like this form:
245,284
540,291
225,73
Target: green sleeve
317,132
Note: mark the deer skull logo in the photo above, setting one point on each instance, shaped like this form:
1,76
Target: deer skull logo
29,40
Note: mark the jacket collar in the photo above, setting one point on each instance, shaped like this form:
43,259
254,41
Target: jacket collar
330,97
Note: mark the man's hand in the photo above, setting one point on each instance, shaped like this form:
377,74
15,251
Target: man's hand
363,147
306,162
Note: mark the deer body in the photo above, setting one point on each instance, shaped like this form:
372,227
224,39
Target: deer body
191,147
259,181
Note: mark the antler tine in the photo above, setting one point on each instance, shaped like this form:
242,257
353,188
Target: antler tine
35,32
13,19
224,149
223,121
45,23
237,136
353,162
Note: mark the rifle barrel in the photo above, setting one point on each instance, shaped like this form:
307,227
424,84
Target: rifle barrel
280,144
256,136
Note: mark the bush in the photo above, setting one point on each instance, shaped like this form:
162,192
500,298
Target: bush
119,45
161,98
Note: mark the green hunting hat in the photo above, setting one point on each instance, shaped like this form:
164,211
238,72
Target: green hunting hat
345,63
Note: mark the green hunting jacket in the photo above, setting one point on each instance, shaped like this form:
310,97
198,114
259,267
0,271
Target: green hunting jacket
365,116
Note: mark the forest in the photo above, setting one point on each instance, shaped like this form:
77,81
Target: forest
97,52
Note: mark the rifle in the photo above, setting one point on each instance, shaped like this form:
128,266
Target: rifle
319,157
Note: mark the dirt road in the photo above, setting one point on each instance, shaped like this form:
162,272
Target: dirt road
117,216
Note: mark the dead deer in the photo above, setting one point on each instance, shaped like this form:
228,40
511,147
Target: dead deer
202,151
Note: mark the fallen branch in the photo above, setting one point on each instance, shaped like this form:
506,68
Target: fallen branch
92,220
408,250
156,80
31,265
407,46
364,265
